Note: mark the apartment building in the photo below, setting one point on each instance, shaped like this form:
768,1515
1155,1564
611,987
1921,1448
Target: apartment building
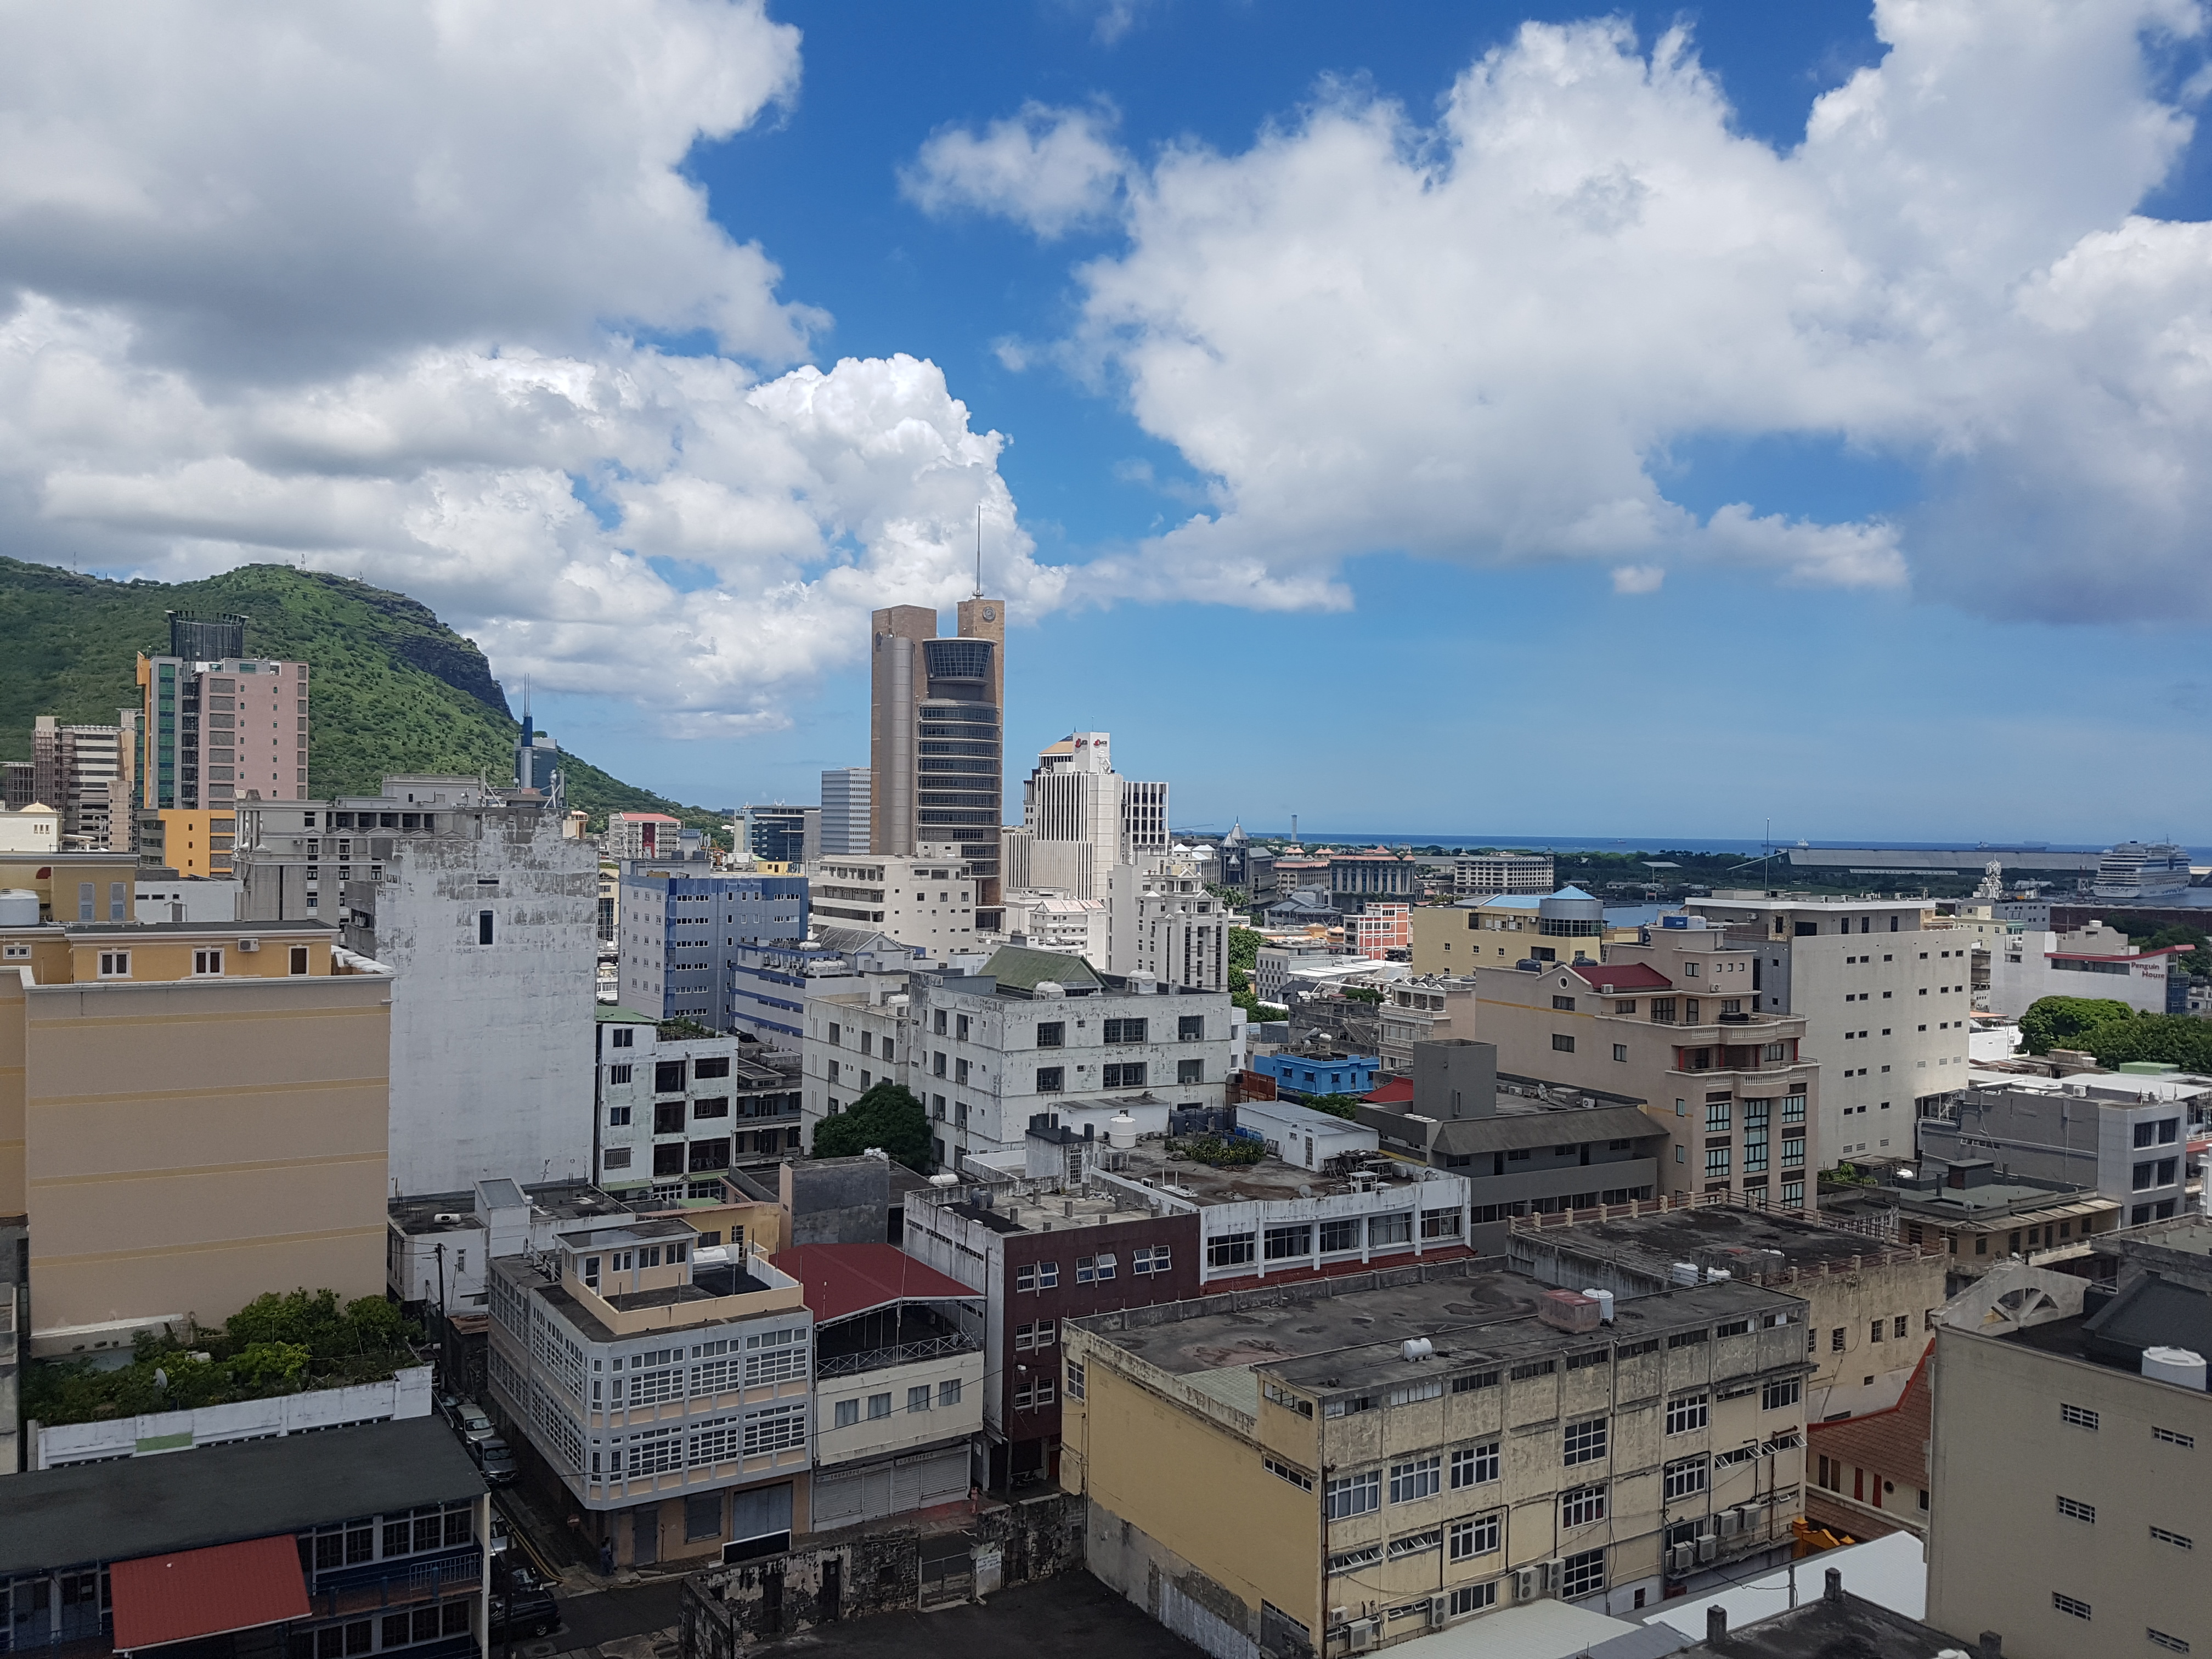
1506,928
790,835
678,1105
1052,921
1382,1454
899,1381
683,925
1381,932
192,842
1885,988
1080,817
190,1115
1674,1023
2124,1137
632,835
484,908
771,979
1428,1010
669,1401
846,794
88,773
936,739
222,730
928,900
1271,969
1977,1215
2070,1493
1502,873
1164,921
2095,961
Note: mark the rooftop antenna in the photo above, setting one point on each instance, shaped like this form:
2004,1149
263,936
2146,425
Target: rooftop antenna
979,550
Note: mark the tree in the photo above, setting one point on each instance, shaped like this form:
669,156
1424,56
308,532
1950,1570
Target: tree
1366,994
2197,964
1244,947
1344,1106
888,1116
2181,1039
2066,1021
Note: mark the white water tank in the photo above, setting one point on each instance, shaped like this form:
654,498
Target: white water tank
1717,1275
1604,1300
2177,1365
19,908
1683,1272
1417,1347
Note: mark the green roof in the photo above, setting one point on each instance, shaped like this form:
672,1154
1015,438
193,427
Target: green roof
611,1013
1017,968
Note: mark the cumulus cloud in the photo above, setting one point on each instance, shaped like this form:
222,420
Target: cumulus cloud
1049,169
379,292
1637,578
1477,338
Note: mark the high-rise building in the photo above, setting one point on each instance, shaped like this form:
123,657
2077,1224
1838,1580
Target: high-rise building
682,922
936,737
846,792
1081,818
778,835
219,729
84,772
537,758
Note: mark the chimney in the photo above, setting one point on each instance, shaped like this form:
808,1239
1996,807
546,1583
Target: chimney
1992,1645
1716,1623
1834,1592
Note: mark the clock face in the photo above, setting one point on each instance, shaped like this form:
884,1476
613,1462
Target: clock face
990,613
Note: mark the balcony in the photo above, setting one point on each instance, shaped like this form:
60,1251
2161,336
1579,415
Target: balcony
903,1353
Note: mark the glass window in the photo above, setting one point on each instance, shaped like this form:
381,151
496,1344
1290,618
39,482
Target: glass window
1354,1494
1584,1441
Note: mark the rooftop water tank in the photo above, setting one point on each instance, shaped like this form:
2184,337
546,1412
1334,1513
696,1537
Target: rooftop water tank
2176,1365
1417,1347
1682,1272
1604,1300
19,908
1570,904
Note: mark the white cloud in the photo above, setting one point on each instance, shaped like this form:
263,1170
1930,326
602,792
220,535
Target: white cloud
1637,578
369,290
1479,339
1049,169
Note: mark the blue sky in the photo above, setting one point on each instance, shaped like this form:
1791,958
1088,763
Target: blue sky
1455,419
1449,699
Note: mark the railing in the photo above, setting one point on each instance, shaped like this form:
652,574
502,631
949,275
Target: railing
904,1353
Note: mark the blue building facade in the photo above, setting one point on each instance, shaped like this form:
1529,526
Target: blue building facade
1298,1076
683,927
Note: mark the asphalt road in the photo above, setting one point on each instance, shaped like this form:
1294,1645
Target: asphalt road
600,1616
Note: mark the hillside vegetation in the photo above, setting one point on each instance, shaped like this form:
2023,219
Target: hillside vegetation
394,688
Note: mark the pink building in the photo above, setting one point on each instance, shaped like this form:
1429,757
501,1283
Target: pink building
1379,929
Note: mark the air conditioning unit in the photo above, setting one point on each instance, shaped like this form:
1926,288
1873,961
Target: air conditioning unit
1555,1576
249,944
1340,1615
1363,1634
1681,1558
1527,1584
1439,1612
1731,1522
1708,1547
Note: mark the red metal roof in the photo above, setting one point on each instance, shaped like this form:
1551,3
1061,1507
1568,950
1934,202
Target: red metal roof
174,1598
1624,976
844,1279
1397,1088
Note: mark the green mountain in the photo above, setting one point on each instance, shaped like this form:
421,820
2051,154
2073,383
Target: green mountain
394,690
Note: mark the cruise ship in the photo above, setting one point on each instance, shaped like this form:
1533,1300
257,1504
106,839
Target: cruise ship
2137,870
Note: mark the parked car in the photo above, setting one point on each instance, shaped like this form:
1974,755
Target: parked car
496,1458
523,1612
471,1421
448,1404
501,1537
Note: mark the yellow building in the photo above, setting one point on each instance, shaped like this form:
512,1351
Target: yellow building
190,1115
1500,931
1272,1471
196,843
73,886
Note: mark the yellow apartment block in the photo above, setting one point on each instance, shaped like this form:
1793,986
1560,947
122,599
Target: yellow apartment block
190,1115
1259,1469
199,843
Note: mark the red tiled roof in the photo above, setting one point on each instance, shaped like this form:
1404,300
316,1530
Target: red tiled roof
1624,976
1388,1094
174,1598
1892,1443
844,1279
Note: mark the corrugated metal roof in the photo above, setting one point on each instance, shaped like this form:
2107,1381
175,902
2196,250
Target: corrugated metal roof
1019,968
844,1279
174,1598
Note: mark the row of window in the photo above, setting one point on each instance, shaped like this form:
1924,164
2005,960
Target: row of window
433,1526
1093,1269
919,1398
429,1622
206,965
1128,1074
1296,1240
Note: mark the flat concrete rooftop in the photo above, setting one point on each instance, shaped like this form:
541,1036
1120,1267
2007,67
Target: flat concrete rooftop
1655,1242
1270,1179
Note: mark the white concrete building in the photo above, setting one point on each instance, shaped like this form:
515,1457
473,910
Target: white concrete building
1271,971
2098,961
1081,818
1502,873
926,900
1164,921
675,1112
1057,921
185,898
1885,992
2128,1138
1300,1135
483,909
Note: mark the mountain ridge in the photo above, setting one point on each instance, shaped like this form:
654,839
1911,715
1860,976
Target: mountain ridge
392,689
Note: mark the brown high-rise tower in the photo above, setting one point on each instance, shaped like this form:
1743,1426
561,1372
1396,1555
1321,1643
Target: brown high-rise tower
936,737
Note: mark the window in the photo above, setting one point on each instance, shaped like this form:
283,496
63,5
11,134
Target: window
1565,1005
1149,1259
1775,1395
1621,1051
2079,1417
1348,1560
615,1157
1472,1598
1389,1229
1354,1494
879,1406
1052,1033
1093,1269
1562,1044
1127,1076
1583,1361
1284,1471
1717,1117
1231,1249
1716,1162
1440,1224
1285,1243
718,1106
1468,1539
1049,1079
917,1397
483,927
1583,1506
1075,1384
2160,1535
115,964
1124,1031
1793,1108
2173,1438
848,1413
1584,1443
1898,1327
1475,1466
1685,1476
207,962
1190,1028
1190,1071
2146,1177
1048,1275
1875,1331
1687,1413
2067,1604
1836,1340
2159,1638
1411,1481
1026,1279
1415,1545
2075,1509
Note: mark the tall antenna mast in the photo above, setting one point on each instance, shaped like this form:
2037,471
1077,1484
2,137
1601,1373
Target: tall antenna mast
979,550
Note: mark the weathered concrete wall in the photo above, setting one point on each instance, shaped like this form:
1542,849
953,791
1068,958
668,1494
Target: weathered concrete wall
875,1572
839,1200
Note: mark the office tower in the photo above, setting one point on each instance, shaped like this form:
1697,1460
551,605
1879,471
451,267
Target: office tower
778,835
84,772
537,758
936,737
1083,818
683,923
219,729
846,792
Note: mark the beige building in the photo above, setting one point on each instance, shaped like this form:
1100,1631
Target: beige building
1504,929
928,899
1675,1024
1434,1009
34,829
190,1115
1269,1473
2069,1491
